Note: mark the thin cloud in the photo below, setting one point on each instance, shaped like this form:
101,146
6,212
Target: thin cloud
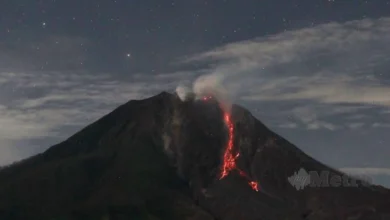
320,71
326,65
333,44
366,171
324,89
381,125
289,125
356,125
42,104
296,44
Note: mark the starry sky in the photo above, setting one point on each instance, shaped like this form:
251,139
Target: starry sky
314,71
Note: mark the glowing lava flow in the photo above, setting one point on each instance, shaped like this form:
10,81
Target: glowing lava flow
254,185
229,157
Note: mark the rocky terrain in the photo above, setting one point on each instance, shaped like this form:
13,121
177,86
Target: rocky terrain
163,158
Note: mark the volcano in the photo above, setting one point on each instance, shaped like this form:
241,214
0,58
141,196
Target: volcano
164,158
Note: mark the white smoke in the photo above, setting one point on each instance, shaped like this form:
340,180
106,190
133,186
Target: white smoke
212,84
208,85
183,92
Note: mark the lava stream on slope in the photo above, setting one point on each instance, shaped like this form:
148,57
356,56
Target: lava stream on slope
229,157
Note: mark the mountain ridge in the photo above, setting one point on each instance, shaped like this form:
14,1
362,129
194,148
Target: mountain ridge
160,158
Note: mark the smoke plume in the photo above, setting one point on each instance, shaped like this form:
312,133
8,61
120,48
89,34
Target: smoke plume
183,92
208,85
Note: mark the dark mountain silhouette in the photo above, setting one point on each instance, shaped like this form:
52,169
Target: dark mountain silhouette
161,158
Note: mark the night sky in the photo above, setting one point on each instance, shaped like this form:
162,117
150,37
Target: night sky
314,71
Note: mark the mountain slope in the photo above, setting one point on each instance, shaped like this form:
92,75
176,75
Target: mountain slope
160,158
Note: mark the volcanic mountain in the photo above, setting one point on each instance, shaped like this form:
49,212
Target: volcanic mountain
164,158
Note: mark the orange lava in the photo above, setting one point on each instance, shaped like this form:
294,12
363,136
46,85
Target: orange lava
254,185
206,98
229,156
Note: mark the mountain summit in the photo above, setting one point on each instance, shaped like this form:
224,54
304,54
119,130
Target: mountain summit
164,158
